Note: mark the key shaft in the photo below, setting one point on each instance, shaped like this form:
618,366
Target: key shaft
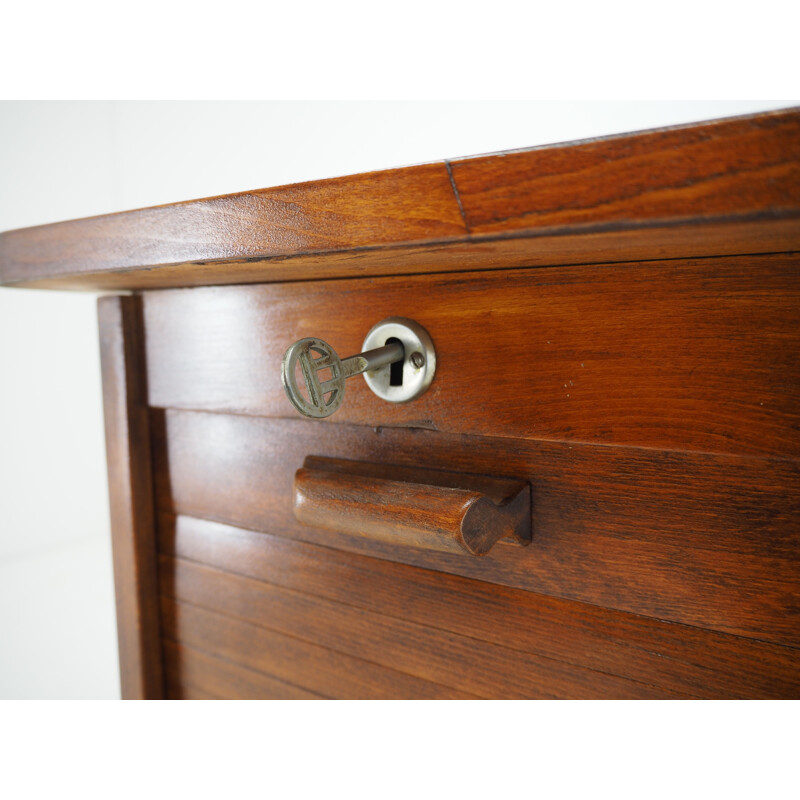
372,359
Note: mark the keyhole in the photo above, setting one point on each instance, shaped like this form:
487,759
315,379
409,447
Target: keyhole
396,368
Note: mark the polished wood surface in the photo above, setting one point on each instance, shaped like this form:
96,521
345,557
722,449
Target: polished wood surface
459,664
681,355
430,509
130,496
291,658
195,675
694,239
727,169
491,640
727,186
701,539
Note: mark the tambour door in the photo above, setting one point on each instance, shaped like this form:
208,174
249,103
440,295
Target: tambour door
649,409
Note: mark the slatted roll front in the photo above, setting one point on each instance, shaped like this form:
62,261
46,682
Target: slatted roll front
652,406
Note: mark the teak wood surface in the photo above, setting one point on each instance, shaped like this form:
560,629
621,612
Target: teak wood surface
722,187
617,327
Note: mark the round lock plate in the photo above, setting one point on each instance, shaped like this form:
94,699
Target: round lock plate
406,380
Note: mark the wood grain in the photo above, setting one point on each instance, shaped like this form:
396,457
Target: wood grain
130,497
460,662
729,168
389,207
722,187
690,355
187,692
673,657
546,249
707,540
435,510
198,672
293,660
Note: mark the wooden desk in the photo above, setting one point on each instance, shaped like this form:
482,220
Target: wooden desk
616,326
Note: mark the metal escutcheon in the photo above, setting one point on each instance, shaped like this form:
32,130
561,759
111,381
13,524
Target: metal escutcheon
418,366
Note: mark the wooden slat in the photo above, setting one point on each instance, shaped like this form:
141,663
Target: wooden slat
696,355
293,660
130,496
728,186
186,692
461,662
707,540
192,671
674,657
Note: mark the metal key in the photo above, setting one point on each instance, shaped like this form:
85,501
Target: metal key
314,356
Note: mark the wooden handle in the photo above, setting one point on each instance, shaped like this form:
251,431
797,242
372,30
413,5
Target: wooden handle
425,508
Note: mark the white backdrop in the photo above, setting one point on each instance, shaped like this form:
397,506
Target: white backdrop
66,160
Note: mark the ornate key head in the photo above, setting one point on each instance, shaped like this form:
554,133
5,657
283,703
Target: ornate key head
313,356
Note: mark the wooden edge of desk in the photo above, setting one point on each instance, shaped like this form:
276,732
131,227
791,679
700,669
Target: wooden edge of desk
133,535
714,188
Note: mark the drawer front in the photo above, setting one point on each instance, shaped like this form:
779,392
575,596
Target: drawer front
652,408
679,355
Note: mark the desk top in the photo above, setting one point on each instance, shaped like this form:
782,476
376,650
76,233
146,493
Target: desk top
714,188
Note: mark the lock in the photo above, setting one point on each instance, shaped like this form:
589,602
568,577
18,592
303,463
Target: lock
398,364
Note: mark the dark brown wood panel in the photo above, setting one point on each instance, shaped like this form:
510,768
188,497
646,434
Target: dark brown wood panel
130,496
293,660
728,186
197,672
674,657
462,662
690,355
706,540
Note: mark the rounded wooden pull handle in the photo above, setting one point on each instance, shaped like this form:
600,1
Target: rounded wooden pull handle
425,508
